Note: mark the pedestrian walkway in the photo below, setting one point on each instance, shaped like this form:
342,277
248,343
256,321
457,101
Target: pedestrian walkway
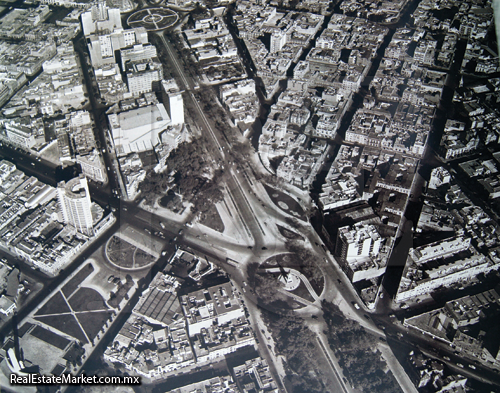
168,214
302,278
397,370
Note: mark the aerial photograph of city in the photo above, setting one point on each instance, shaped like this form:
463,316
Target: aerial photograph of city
249,196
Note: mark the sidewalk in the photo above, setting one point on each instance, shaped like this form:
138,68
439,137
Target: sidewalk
168,214
397,370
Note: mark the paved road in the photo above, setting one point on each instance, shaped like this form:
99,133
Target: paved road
254,207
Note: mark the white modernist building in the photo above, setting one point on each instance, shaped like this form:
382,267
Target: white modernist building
74,199
101,19
173,99
176,108
139,129
358,248
102,47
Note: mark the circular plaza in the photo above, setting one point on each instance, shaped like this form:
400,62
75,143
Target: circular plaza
125,255
153,19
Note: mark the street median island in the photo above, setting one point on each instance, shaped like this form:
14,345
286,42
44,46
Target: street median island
286,203
288,234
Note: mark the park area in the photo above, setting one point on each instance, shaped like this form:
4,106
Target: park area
153,19
286,282
123,254
286,203
312,273
71,321
76,310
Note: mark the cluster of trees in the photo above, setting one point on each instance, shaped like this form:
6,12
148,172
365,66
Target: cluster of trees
307,264
266,287
354,348
194,178
298,344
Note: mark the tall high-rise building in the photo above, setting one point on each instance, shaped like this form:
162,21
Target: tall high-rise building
359,251
138,52
176,108
143,76
358,241
172,98
278,41
75,203
100,19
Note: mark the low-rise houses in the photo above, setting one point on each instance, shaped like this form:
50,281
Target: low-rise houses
457,142
212,385
26,56
241,101
24,133
28,47
441,264
362,173
10,83
58,89
465,324
214,50
76,143
287,35
254,375
343,182
188,331
156,319
387,11
9,288
301,166
285,135
429,373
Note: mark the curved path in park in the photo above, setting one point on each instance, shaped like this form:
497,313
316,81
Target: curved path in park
298,274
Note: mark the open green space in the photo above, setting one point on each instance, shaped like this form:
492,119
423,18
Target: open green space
306,368
73,284
266,285
120,252
142,258
285,202
303,292
23,329
195,178
65,323
288,234
302,260
212,219
87,299
55,305
93,322
354,348
50,337
153,18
